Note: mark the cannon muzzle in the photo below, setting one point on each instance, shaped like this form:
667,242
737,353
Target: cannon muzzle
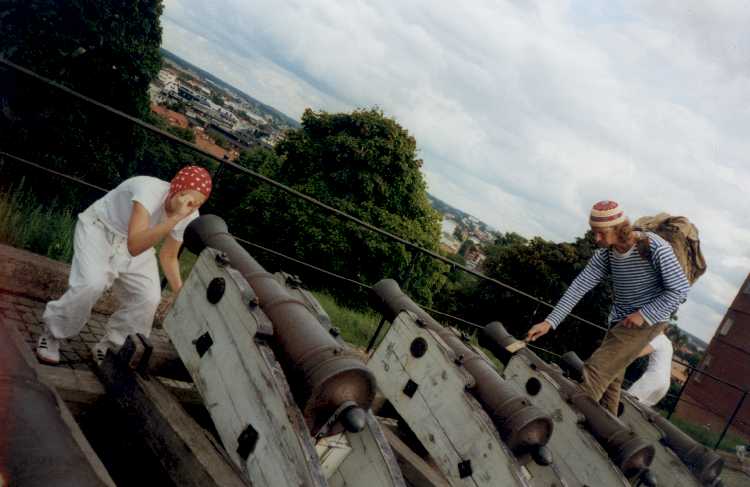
705,464
630,453
327,380
522,426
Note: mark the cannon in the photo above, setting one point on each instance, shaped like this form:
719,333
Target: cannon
329,382
702,462
705,464
630,453
37,447
523,427
364,457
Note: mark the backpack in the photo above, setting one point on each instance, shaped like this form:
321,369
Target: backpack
681,235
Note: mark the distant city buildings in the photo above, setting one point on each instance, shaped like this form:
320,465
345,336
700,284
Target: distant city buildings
207,105
456,231
474,257
168,80
202,140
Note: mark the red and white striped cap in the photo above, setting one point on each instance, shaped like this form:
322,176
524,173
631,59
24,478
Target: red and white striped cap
606,214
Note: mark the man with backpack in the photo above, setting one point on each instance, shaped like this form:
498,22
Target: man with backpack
648,285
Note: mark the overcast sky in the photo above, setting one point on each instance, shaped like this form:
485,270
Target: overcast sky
525,112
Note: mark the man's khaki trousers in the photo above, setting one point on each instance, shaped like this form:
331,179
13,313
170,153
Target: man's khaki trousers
604,371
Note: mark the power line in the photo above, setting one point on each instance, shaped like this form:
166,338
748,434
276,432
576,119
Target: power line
57,173
298,194
285,188
343,278
300,262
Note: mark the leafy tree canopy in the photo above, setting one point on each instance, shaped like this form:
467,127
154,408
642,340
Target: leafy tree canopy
543,269
107,50
363,163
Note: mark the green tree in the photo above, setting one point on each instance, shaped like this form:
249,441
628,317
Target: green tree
108,50
105,49
510,238
465,247
669,401
543,269
221,141
232,188
216,98
365,164
183,133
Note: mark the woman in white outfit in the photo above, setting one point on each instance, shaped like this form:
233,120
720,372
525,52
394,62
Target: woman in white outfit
654,383
114,246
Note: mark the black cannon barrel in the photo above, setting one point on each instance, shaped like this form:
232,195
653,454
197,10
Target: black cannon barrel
630,453
522,426
704,463
325,377
36,446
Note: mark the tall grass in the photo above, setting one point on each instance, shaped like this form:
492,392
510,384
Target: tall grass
708,437
42,228
356,326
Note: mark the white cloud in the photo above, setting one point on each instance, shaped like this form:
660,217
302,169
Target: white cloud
525,112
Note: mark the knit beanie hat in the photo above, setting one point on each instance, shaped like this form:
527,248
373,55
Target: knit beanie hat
606,214
191,177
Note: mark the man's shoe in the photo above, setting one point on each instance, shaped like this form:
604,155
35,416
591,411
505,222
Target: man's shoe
48,349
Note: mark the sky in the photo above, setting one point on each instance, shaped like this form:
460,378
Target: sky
525,112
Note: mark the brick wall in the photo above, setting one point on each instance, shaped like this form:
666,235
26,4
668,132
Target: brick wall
728,358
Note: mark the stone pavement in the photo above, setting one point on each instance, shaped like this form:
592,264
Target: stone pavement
26,315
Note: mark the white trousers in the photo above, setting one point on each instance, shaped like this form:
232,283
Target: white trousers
101,260
654,383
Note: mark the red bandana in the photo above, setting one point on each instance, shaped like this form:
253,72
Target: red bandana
191,177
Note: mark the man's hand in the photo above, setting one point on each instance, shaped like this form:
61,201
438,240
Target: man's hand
538,330
633,320
183,206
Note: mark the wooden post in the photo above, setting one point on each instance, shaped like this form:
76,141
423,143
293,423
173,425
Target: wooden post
81,389
417,472
182,447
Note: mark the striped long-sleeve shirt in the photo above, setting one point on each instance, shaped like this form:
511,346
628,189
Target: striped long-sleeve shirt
655,287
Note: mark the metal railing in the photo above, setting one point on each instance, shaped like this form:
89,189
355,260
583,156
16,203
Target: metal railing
416,249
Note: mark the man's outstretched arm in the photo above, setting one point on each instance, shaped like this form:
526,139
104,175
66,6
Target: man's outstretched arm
596,270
